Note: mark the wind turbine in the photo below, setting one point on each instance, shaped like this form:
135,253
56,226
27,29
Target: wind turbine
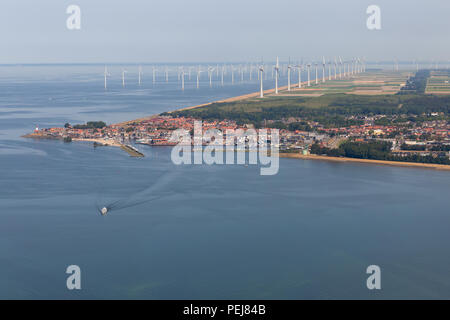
261,71
232,74
277,70
309,74
223,71
140,75
182,78
210,72
317,73
106,74
167,74
198,76
335,67
154,74
299,67
323,69
329,70
123,77
289,74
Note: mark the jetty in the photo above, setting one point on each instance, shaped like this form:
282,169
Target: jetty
132,151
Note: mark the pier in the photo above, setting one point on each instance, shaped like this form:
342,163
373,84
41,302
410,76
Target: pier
133,152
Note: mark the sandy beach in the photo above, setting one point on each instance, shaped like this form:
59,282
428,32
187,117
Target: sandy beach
366,161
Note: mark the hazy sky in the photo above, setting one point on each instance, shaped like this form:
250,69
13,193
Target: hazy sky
34,31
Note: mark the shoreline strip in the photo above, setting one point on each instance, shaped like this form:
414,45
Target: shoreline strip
367,161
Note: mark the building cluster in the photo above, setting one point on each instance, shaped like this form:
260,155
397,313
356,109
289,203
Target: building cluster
428,136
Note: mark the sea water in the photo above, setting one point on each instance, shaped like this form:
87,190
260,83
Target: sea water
209,232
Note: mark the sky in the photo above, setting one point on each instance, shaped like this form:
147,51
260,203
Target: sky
140,31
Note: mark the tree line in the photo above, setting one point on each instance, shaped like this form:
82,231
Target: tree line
375,150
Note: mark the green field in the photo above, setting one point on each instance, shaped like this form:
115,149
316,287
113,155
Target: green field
331,110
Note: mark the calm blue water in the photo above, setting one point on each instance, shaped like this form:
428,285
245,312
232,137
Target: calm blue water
212,231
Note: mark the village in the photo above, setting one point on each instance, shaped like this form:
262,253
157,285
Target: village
407,137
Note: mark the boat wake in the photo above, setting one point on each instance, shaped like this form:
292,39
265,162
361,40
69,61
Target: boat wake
156,191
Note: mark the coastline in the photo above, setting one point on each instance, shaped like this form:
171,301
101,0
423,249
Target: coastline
367,161
113,143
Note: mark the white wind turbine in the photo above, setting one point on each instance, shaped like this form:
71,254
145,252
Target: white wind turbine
317,72
289,67
106,74
277,70
299,67
167,74
154,74
309,74
222,75
329,70
323,69
335,68
199,71
232,74
241,71
261,71
210,72
182,74
140,75
123,77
